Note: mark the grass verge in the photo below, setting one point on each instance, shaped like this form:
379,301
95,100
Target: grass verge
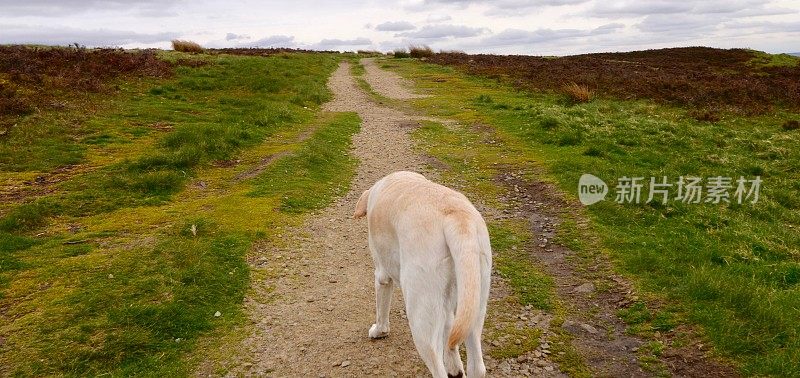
128,279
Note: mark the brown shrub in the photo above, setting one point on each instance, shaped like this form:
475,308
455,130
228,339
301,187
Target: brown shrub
420,51
705,115
791,125
700,77
400,53
578,93
186,46
32,75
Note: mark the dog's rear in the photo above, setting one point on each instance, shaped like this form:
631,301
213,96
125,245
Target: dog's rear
442,244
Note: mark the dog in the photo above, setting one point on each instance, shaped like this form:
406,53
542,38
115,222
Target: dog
432,242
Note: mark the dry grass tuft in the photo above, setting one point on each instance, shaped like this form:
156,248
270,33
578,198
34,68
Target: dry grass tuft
705,115
791,125
578,93
420,51
186,46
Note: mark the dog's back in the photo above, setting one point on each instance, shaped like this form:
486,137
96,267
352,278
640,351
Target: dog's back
433,242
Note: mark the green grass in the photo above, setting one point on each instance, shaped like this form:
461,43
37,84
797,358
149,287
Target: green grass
763,59
733,269
309,182
104,276
212,113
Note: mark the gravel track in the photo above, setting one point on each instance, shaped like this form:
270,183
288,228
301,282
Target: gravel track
311,317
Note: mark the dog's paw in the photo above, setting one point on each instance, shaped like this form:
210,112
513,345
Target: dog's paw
375,333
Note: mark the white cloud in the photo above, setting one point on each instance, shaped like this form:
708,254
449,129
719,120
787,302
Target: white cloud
435,18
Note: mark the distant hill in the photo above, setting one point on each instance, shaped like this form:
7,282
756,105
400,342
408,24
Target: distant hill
794,53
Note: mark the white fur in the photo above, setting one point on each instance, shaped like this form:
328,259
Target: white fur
432,242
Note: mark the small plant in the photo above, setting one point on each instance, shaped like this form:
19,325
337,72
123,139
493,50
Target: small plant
705,115
401,53
578,93
484,99
420,51
548,123
791,125
186,46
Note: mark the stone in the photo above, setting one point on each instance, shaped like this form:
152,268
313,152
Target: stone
585,288
589,328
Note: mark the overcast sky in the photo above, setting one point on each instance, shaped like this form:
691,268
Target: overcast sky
536,27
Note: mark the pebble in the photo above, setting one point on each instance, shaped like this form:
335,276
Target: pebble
217,314
585,288
589,328
505,367
345,363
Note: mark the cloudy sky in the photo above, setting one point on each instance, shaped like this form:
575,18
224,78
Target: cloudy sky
534,27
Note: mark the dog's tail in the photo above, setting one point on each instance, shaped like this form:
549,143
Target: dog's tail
463,244
361,205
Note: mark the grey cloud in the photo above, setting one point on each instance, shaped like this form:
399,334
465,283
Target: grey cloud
526,37
684,24
497,7
20,34
234,36
508,4
332,44
54,8
272,41
443,31
733,8
395,26
639,8
766,26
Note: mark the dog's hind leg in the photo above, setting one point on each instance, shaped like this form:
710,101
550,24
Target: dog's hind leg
475,366
426,318
429,344
383,299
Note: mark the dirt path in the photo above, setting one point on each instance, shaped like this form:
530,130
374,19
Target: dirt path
316,322
387,83
311,317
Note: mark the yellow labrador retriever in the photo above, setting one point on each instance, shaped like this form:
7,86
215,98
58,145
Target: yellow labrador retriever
431,241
